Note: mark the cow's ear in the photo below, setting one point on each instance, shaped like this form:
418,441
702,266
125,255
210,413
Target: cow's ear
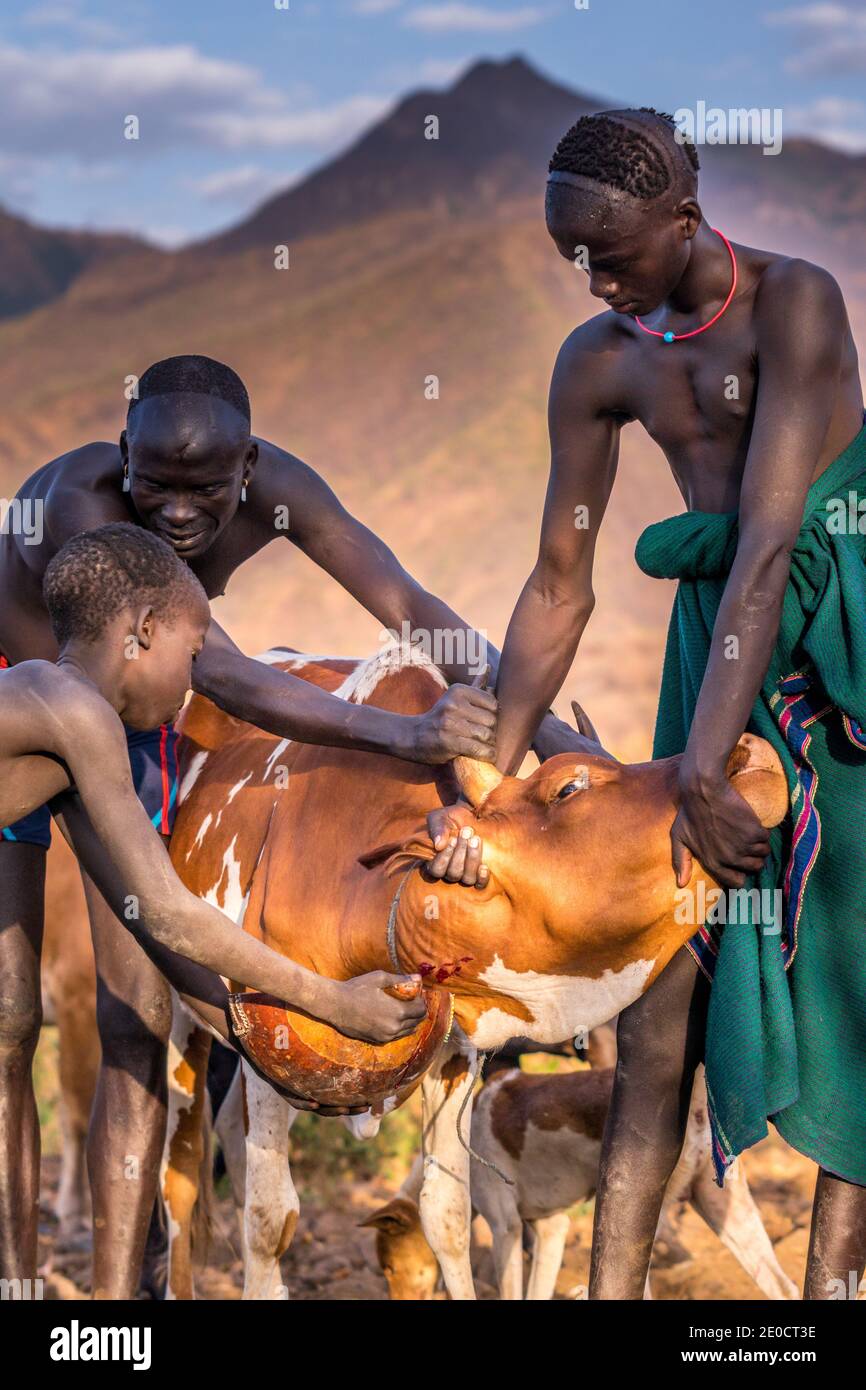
377,856
398,852
755,770
395,1219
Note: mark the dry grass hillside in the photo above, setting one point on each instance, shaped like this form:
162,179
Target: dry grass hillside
336,349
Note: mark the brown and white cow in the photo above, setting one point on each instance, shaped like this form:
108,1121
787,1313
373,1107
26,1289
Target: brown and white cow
543,1133
302,845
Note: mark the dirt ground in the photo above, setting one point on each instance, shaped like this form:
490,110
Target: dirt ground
331,1258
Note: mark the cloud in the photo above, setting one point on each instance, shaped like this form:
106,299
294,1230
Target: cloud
68,15
74,103
366,7
822,17
444,70
16,177
839,121
242,186
453,18
321,126
437,72
830,39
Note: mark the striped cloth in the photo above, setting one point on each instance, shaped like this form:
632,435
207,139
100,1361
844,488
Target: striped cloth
786,1032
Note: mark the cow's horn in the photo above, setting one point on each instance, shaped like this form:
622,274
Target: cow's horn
476,779
584,723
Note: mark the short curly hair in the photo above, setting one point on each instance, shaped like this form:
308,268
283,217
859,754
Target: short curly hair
192,374
100,573
609,149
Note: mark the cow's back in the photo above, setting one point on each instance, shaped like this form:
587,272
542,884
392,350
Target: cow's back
271,831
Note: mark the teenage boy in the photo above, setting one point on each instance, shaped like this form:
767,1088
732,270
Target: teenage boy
740,364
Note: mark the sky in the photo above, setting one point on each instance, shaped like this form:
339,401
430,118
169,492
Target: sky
235,99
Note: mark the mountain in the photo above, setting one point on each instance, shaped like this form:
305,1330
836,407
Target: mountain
381,295
498,126
37,263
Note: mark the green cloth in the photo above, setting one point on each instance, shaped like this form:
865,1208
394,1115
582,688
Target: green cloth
786,1032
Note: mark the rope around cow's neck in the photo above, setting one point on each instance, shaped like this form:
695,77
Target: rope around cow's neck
475,1066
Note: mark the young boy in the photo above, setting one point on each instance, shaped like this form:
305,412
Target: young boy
188,469
130,618
741,366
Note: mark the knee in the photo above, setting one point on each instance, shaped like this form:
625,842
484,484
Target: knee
446,1213
648,1061
20,1022
270,1226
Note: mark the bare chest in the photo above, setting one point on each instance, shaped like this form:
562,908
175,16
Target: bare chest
696,401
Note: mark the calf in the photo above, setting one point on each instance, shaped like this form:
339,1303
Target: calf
543,1133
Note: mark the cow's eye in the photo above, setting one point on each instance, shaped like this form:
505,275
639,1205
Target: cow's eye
578,784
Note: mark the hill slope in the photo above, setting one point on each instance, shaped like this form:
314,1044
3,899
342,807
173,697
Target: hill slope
37,264
336,352
497,128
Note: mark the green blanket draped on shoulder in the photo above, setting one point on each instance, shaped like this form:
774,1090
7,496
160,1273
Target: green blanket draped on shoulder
786,1034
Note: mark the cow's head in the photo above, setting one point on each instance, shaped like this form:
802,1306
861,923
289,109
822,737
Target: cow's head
582,908
406,1260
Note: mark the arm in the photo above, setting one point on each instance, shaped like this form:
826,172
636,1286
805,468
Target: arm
801,328
145,888
201,990
557,599
462,721
368,570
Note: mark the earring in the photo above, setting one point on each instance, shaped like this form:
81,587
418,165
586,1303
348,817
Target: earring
243,492
126,483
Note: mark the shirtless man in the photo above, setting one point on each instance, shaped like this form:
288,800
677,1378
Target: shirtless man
622,203
187,469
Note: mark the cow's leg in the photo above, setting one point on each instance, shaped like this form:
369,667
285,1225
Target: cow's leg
731,1212
444,1204
550,1237
271,1203
506,1227
188,1053
229,1129
413,1182
496,1201
837,1246
660,1041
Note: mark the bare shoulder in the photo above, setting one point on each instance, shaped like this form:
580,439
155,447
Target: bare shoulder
284,479
278,468
86,467
801,296
82,489
64,711
588,368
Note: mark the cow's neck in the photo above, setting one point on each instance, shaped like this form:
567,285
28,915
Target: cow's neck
525,982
